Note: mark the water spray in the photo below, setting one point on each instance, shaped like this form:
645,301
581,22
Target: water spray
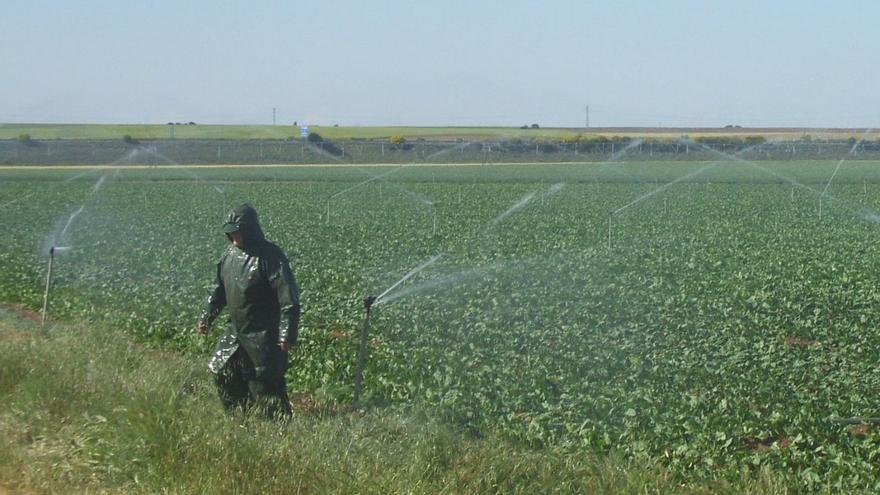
660,188
369,301
862,212
837,168
381,177
48,286
359,184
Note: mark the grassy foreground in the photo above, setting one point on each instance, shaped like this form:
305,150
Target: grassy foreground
84,413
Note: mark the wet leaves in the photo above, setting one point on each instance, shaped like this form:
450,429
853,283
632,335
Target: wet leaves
719,333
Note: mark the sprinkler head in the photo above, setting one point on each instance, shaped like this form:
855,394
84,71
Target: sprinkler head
368,302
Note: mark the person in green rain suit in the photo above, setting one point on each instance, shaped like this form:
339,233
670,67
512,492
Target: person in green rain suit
256,285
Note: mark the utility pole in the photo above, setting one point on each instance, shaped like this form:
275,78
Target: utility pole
588,116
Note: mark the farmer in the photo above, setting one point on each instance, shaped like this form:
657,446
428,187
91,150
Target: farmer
255,282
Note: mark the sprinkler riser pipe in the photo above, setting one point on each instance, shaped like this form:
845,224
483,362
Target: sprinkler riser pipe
48,286
610,217
362,350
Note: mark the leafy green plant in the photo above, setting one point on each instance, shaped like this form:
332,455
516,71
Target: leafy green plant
719,333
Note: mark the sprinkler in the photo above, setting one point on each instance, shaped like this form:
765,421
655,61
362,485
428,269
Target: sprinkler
362,349
610,217
433,207
369,302
48,286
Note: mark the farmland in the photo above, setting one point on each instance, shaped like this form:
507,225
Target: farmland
715,321
200,131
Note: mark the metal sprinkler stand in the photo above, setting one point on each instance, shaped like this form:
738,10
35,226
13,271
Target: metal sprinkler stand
610,217
48,286
362,350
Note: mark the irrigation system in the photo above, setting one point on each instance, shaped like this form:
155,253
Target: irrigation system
369,302
48,285
362,350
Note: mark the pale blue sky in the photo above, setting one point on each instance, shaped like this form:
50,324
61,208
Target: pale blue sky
670,63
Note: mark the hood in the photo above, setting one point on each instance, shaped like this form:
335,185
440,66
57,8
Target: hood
244,218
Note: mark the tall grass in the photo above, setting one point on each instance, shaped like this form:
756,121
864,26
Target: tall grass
85,409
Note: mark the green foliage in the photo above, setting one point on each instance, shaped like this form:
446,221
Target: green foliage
24,138
314,137
83,413
397,139
127,139
719,333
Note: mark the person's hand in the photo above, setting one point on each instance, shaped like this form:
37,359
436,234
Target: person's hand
203,328
283,345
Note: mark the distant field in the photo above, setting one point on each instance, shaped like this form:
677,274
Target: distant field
161,131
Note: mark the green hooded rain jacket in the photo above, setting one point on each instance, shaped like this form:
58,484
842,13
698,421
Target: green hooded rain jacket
257,286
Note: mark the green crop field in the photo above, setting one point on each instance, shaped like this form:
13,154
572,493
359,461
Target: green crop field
713,316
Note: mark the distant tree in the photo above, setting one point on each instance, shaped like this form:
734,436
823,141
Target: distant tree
524,126
314,137
25,139
535,126
191,123
127,139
